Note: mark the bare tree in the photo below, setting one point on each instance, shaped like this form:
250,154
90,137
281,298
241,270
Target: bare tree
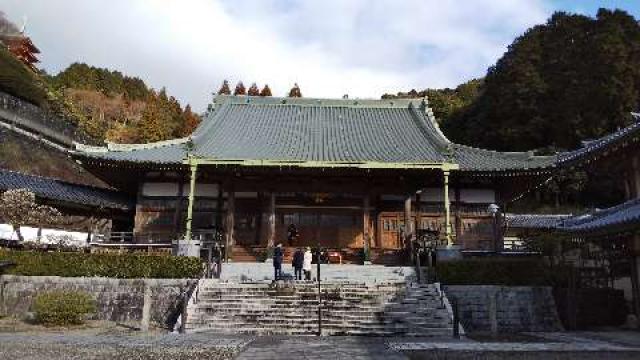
18,207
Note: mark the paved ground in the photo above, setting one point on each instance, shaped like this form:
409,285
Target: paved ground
119,343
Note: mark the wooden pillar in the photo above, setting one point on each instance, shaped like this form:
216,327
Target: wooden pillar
193,165
219,206
635,177
447,210
458,218
177,215
408,224
377,227
271,230
366,232
418,220
635,273
229,222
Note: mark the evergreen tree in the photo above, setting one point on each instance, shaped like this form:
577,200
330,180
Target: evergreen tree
253,90
240,90
571,79
295,91
224,89
190,121
266,91
155,124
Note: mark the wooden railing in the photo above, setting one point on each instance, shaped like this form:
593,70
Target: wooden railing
156,238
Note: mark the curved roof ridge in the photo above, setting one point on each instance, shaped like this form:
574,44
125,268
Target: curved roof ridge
129,147
600,143
306,101
528,154
430,130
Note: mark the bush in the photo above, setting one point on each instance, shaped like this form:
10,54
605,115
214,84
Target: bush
125,266
509,272
63,307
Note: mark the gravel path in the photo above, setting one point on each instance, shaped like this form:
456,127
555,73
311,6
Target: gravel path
119,346
115,343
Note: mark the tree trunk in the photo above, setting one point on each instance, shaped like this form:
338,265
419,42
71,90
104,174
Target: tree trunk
17,230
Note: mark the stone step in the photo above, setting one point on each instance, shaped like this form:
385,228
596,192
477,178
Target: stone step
391,308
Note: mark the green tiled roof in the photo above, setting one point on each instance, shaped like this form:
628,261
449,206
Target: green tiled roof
244,128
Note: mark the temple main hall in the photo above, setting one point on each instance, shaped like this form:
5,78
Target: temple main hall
348,175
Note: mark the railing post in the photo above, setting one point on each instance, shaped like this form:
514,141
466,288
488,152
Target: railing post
193,165
456,319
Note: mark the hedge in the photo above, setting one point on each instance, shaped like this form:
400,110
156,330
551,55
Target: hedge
125,266
529,272
63,307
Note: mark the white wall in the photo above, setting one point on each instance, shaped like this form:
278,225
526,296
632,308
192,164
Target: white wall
48,236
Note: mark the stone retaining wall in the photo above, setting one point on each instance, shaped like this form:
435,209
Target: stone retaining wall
119,300
505,308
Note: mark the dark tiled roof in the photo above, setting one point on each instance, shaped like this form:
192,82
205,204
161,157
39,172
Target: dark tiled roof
626,214
474,159
52,189
631,132
314,130
534,221
609,220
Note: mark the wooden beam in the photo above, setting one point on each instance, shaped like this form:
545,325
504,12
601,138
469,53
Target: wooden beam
331,164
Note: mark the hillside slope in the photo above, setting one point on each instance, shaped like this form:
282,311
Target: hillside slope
22,154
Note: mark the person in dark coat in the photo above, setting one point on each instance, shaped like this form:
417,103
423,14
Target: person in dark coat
277,261
292,234
298,263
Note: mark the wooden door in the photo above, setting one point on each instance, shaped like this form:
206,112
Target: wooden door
391,225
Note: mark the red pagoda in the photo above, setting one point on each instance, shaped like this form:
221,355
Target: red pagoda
22,48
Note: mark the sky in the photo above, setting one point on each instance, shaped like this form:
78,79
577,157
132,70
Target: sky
363,48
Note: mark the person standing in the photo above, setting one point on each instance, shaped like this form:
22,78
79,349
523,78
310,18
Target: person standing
298,261
277,262
306,264
292,234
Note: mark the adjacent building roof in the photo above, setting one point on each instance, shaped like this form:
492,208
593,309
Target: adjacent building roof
591,149
60,191
534,221
395,132
610,220
606,220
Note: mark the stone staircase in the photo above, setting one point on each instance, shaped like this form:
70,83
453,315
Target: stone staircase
291,308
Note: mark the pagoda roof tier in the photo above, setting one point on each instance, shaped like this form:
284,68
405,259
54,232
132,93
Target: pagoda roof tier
304,132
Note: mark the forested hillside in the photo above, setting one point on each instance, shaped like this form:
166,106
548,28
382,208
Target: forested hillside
571,79
118,108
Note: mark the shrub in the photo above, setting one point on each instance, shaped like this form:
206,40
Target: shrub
63,307
509,272
125,266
